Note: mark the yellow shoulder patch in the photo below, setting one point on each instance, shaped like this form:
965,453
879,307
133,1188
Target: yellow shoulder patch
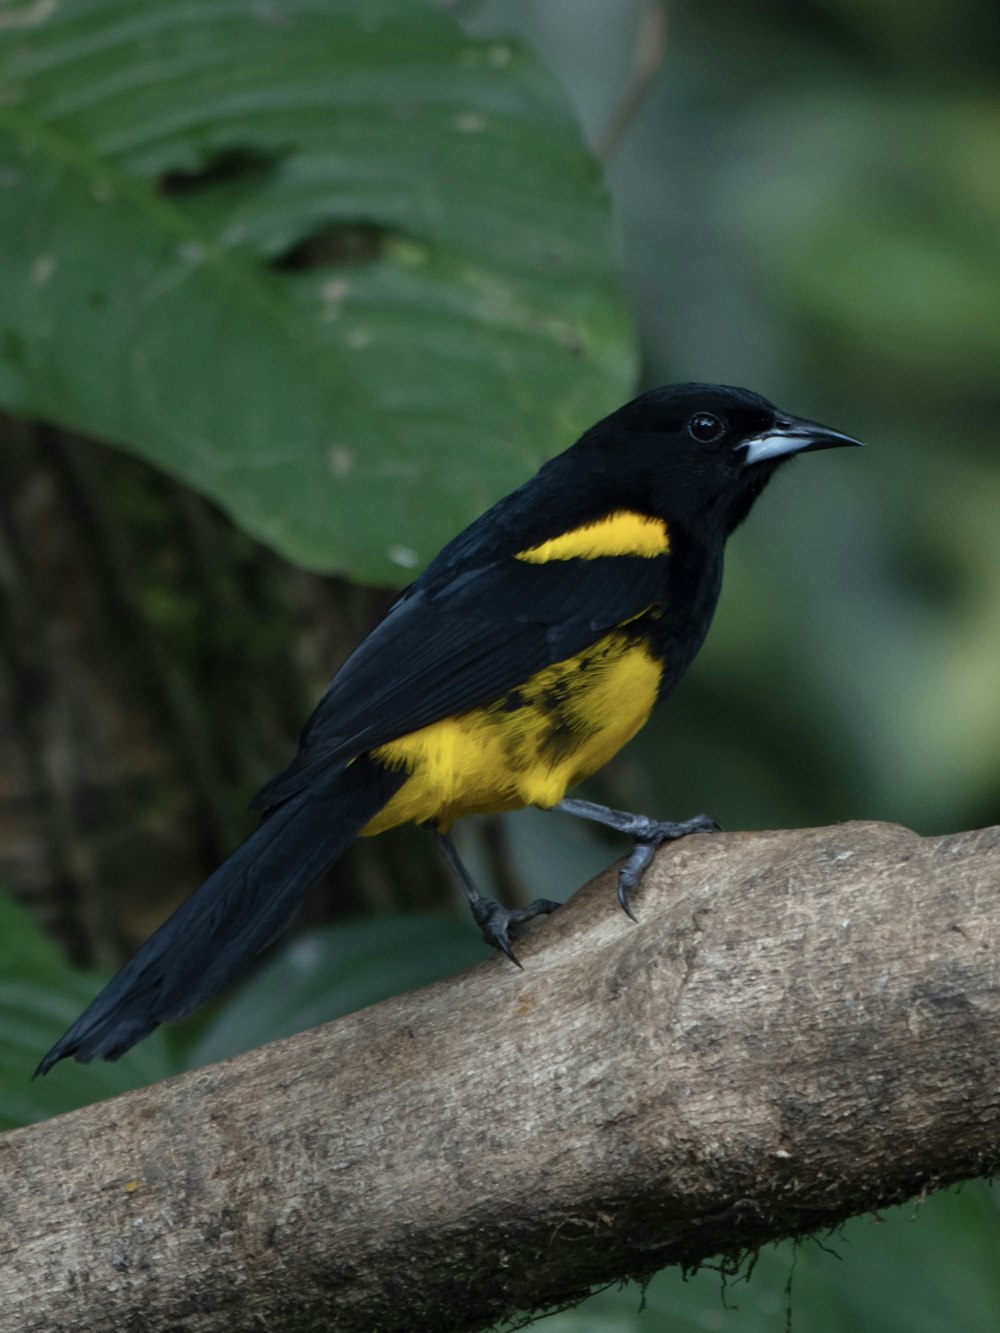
621,533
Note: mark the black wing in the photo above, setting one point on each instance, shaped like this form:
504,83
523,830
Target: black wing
446,648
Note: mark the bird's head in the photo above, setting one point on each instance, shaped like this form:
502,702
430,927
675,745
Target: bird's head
700,454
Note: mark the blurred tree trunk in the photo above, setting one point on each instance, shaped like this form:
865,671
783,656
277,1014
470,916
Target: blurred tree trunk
156,666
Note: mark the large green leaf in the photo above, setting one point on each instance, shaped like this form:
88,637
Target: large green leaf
332,262
40,995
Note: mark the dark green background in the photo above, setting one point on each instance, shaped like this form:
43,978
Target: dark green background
808,203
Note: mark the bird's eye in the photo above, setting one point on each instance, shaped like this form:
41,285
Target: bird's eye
705,427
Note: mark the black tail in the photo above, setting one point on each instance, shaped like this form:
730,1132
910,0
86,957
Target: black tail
239,909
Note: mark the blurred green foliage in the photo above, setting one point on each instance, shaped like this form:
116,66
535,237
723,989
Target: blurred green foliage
809,200
40,994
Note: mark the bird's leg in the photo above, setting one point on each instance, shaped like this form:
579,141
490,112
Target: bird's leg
647,834
494,920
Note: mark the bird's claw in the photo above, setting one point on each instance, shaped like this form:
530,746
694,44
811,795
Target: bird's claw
498,923
648,835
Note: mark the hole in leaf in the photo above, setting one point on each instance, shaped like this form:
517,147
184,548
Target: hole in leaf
344,243
237,165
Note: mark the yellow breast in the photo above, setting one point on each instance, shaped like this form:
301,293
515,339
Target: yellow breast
529,747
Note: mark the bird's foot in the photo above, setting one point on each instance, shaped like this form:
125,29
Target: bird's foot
647,835
498,923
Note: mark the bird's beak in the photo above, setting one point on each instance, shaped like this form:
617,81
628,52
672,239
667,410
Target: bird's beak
793,435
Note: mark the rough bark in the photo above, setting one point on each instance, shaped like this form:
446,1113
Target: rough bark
803,1025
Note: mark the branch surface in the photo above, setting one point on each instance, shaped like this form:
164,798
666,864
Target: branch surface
802,1026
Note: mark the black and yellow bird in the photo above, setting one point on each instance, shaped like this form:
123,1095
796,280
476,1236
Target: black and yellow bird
525,656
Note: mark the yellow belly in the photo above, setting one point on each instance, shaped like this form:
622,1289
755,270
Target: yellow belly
528,747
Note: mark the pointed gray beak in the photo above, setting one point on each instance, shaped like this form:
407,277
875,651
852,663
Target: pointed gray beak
793,435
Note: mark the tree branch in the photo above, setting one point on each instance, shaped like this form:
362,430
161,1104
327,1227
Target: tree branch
803,1025
650,49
